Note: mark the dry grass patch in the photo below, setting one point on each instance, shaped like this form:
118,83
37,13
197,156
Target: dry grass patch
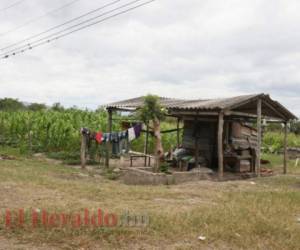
231,215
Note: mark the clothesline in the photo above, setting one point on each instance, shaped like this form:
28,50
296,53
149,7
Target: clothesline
129,134
100,137
162,132
127,119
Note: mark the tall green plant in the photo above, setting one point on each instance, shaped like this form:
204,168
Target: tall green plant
48,130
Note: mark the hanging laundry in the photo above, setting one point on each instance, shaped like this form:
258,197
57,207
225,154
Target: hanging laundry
123,135
123,145
131,134
137,130
114,137
105,137
120,136
98,137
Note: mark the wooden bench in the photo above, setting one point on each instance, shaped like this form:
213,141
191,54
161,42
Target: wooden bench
147,158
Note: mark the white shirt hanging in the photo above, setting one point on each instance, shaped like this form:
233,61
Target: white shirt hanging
131,134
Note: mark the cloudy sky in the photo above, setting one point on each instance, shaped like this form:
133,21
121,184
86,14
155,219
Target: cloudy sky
173,48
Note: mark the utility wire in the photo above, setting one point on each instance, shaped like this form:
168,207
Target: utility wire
12,5
39,17
78,29
60,25
30,44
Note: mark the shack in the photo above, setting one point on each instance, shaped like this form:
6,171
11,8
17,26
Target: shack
224,133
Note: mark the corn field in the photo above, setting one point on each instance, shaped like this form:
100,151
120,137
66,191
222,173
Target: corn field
58,131
273,141
46,131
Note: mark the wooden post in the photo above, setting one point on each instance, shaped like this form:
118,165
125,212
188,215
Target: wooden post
30,141
30,137
197,152
220,145
285,153
83,150
146,143
196,142
108,146
178,142
258,149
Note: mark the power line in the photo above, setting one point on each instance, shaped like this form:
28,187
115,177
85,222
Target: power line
60,25
39,17
12,5
78,29
30,44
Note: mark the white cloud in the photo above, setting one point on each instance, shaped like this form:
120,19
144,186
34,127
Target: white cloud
187,49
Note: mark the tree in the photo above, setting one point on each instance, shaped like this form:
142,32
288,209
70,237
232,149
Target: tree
10,104
57,107
37,106
152,113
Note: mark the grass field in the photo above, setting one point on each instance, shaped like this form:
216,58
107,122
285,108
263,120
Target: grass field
251,214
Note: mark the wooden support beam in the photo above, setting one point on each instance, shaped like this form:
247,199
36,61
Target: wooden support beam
170,130
178,137
285,153
243,114
220,145
193,113
110,121
146,143
268,117
196,143
215,119
108,146
273,120
203,119
258,149
83,150
126,119
197,152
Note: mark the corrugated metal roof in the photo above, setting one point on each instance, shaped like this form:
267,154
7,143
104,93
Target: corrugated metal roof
202,104
212,104
139,101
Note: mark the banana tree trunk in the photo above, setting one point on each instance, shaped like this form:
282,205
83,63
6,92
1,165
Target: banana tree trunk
159,151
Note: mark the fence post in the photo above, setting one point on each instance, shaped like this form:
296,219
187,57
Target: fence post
83,150
108,144
285,153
